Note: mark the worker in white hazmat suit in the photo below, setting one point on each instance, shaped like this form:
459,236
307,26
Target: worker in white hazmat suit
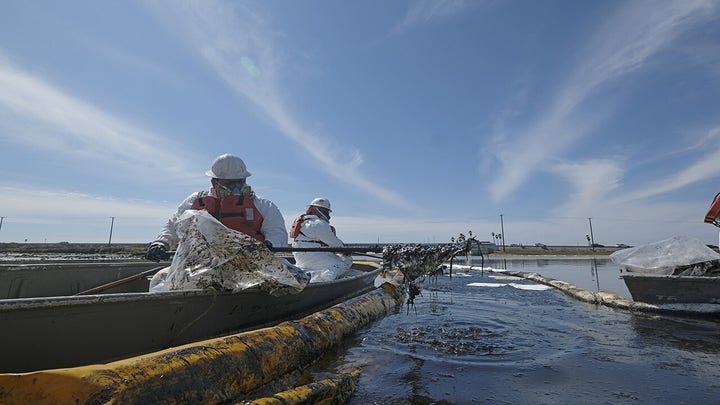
231,201
313,229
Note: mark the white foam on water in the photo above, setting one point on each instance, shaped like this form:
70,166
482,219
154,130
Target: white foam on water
474,268
459,274
486,284
496,270
506,278
532,287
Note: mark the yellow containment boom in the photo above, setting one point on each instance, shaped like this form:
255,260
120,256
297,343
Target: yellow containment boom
213,371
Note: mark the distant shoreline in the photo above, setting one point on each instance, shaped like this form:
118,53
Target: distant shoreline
139,249
554,251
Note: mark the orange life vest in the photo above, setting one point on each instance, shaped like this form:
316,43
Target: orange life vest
297,224
712,215
235,211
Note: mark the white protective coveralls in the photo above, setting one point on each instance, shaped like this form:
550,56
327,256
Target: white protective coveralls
322,266
273,226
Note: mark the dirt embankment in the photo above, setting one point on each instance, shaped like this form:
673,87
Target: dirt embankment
74,248
555,251
139,249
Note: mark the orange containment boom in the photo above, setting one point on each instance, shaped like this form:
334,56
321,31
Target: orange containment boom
712,215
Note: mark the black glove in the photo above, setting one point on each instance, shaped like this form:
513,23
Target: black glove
268,244
156,252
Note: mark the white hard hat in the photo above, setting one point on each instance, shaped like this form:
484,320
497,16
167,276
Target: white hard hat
228,167
322,203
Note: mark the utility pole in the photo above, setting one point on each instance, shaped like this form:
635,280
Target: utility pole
1,221
502,230
112,222
592,237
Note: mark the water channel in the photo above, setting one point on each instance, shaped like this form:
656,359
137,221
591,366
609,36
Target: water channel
469,341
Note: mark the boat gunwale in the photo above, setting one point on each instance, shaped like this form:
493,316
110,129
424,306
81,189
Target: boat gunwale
12,304
634,275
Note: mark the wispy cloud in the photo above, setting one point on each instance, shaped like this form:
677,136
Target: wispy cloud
30,204
591,182
625,44
612,223
239,43
76,129
77,217
597,195
431,11
708,166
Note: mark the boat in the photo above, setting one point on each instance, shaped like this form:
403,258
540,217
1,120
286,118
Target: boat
26,280
672,289
657,273
678,270
258,366
55,329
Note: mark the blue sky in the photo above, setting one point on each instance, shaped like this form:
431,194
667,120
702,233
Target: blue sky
418,120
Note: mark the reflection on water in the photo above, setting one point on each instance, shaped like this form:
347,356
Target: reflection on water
467,344
594,273
694,335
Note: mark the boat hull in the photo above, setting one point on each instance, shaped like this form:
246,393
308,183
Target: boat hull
57,332
62,279
668,289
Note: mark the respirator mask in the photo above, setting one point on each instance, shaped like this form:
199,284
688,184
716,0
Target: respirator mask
227,187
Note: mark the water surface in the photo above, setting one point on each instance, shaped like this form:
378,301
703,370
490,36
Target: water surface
591,273
464,344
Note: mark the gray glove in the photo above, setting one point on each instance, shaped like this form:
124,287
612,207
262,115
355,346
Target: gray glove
156,252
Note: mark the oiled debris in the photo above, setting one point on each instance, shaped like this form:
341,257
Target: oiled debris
567,288
457,341
211,255
612,300
415,260
332,390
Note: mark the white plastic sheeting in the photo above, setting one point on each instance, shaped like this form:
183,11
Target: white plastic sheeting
211,255
665,256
